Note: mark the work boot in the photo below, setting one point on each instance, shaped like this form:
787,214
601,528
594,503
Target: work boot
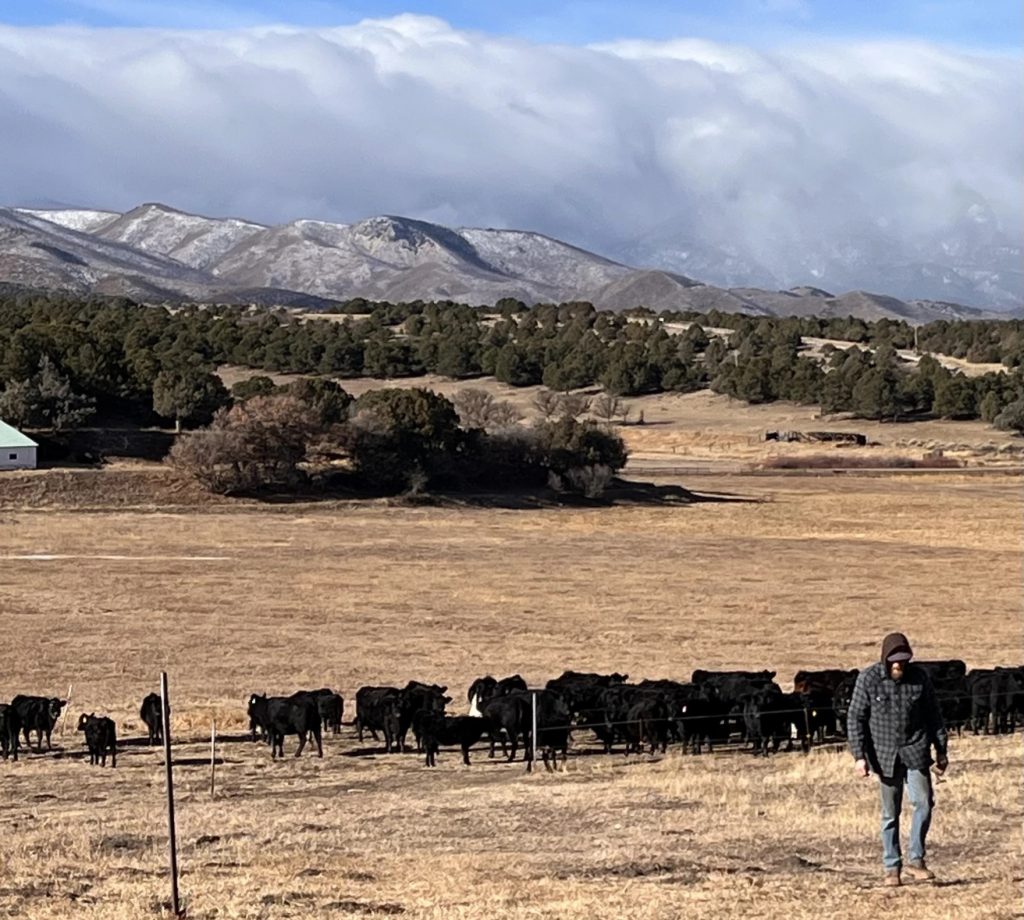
919,872
892,878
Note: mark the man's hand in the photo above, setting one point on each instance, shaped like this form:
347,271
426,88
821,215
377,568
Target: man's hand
861,767
941,764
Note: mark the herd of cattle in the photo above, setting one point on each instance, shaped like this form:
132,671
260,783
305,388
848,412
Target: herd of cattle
714,708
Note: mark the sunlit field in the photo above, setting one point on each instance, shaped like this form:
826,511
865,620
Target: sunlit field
103,584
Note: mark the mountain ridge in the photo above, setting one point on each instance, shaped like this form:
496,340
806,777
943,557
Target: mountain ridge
156,252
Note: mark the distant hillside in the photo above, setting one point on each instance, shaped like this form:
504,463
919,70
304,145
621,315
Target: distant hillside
155,253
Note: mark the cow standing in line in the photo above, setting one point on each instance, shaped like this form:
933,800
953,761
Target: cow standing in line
380,709
330,705
485,689
420,697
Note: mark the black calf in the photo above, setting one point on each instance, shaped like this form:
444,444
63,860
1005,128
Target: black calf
436,729
100,737
151,712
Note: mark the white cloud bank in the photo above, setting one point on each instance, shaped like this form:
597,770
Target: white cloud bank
633,149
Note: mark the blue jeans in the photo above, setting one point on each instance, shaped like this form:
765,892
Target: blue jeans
919,789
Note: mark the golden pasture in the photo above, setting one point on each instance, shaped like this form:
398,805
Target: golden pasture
103,585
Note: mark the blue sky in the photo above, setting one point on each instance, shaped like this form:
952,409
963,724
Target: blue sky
979,24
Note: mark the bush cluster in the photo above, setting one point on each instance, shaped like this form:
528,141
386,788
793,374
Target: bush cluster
392,440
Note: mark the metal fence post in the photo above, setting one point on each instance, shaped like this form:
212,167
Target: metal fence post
533,732
171,834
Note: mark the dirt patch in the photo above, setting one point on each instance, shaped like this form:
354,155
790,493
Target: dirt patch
139,487
122,844
364,907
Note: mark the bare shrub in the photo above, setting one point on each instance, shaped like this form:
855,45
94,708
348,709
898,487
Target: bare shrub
606,406
503,414
547,403
473,406
252,446
845,461
479,409
573,405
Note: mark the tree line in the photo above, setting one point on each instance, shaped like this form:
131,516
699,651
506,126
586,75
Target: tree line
64,360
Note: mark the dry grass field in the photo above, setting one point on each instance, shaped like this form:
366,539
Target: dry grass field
104,583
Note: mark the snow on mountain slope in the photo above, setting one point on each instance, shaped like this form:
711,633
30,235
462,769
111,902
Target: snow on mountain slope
542,260
193,240
55,252
156,253
79,219
364,259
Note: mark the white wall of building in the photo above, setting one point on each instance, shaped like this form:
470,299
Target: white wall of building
18,458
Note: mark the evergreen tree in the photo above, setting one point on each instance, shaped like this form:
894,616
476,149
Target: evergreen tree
45,400
188,393
955,398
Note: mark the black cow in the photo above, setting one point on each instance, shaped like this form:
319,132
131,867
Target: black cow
827,679
38,714
609,720
711,677
583,691
953,694
996,697
436,729
505,717
10,728
100,737
841,701
420,697
771,717
819,714
943,668
647,722
818,689
331,706
151,712
554,725
733,688
949,679
676,696
278,716
702,718
380,709
484,689
509,718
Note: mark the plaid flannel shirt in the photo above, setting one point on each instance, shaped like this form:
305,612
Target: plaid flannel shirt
895,717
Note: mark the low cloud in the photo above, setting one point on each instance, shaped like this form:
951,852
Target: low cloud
607,146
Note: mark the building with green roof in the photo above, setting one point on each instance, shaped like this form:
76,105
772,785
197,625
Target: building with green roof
17,451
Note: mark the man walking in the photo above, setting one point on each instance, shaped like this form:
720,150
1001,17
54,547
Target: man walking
893,722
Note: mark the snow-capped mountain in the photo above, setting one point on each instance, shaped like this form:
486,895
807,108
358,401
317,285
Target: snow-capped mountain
195,241
156,253
74,219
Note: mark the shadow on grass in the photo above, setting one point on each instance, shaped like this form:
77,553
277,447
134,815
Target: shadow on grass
620,492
